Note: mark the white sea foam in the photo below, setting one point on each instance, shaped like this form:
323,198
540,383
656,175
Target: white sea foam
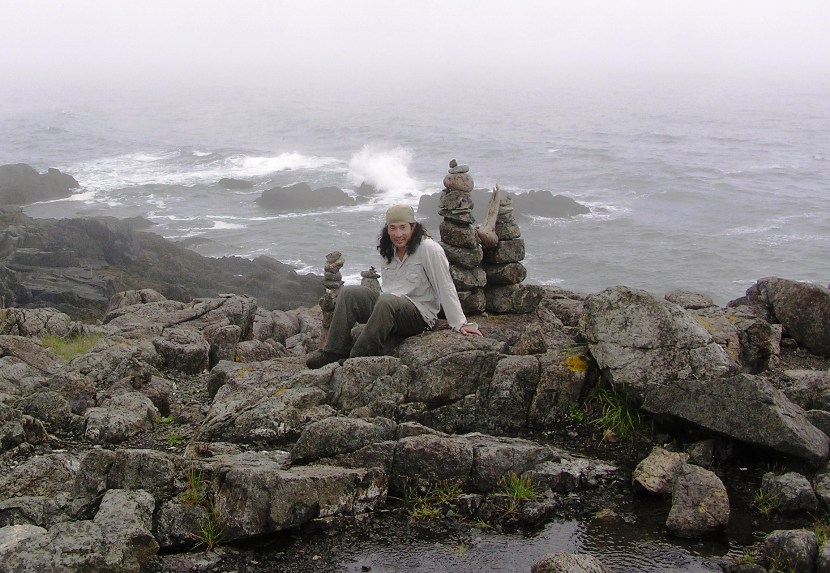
387,170
217,225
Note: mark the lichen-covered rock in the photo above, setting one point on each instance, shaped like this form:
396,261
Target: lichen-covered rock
700,504
503,401
428,459
803,309
120,418
656,473
183,349
36,322
516,299
376,383
568,563
43,475
447,365
17,428
338,435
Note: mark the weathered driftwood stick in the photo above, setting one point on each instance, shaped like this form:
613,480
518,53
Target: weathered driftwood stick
487,230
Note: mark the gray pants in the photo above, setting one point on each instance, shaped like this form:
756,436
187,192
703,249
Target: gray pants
383,314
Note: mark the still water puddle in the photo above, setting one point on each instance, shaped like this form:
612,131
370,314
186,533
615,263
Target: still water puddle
620,547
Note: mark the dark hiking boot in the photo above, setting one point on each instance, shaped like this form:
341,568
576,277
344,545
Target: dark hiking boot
320,358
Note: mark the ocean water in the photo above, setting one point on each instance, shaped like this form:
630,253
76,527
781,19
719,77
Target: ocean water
693,186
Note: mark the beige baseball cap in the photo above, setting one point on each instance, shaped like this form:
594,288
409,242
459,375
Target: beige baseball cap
400,214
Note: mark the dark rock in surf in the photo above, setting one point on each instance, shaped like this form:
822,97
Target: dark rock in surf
21,184
301,197
234,184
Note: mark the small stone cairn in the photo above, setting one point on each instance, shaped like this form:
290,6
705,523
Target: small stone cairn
459,238
370,279
332,280
503,263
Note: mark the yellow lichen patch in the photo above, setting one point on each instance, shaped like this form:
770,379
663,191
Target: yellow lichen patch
279,391
243,371
704,323
576,363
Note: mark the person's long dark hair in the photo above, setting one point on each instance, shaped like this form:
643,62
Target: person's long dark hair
387,247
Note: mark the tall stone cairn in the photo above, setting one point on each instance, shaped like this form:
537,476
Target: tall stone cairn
503,265
460,240
332,280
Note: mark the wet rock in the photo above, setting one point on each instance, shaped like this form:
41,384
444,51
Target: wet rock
503,401
495,457
656,473
428,459
255,494
793,550
472,301
792,490
568,563
700,505
337,435
571,473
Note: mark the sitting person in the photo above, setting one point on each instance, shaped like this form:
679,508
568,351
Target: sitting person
416,283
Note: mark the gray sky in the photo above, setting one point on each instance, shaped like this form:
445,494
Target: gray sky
254,38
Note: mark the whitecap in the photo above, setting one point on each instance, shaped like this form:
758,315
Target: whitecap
387,170
217,225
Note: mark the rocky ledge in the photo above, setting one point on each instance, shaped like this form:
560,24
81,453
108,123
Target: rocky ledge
77,265
193,423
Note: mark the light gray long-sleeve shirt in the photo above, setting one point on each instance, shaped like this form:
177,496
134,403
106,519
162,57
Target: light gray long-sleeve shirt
424,278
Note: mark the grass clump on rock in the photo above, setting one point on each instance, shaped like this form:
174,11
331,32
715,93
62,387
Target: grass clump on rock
70,347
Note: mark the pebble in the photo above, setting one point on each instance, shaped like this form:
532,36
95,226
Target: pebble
453,163
459,169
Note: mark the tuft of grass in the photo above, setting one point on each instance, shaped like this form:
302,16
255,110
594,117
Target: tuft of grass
69,348
427,504
616,416
822,531
196,487
766,502
518,487
211,530
174,439
166,420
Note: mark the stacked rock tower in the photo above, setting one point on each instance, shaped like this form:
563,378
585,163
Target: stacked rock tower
459,239
332,280
503,263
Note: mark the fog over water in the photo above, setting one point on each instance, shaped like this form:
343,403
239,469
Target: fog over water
697,132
